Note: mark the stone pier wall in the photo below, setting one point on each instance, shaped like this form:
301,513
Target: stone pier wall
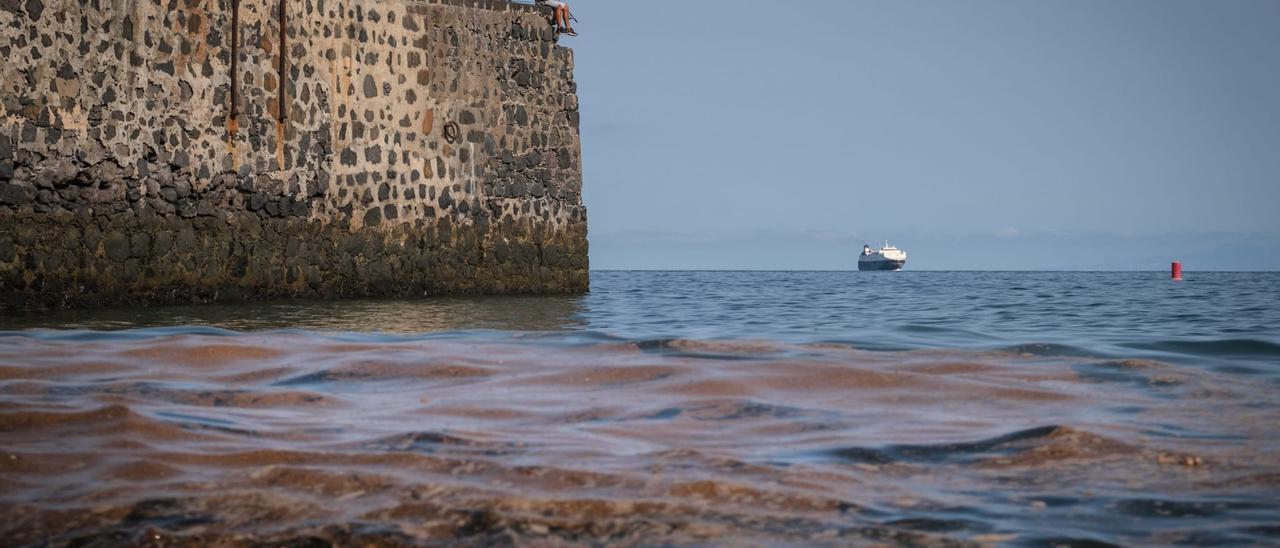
173,151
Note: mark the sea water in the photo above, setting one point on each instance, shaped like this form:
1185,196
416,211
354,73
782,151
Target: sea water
764,408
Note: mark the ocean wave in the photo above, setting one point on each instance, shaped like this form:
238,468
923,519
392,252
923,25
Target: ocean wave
482,436
1215,348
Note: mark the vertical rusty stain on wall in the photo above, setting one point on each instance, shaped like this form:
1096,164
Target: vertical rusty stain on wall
232,123
284,67
282,90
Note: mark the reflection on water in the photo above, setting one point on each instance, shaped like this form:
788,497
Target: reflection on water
426,315
1210,316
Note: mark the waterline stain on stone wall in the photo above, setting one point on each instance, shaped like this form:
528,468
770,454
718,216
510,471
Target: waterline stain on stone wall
191,150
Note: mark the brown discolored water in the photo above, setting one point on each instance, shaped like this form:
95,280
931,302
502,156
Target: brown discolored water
204,437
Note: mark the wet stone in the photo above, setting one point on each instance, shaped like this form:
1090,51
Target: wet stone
186,241
116,246
205,208
6,249
163,241
140,245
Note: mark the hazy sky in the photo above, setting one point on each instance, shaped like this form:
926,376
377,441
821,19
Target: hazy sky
973,134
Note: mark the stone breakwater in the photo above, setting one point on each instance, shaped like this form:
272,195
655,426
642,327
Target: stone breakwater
193,150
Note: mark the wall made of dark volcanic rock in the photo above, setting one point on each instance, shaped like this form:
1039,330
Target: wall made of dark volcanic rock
423,147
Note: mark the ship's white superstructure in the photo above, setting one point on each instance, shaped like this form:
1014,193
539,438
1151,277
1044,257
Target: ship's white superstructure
887,258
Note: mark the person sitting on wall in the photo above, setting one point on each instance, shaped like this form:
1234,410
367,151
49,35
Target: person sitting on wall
561,17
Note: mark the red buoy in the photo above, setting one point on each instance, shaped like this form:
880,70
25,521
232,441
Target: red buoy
1177,271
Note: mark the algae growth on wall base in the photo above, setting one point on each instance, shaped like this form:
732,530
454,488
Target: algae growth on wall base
188,150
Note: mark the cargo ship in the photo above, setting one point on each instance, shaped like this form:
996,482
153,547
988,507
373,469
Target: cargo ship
888,258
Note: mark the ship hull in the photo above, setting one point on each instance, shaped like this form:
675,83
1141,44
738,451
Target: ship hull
881,265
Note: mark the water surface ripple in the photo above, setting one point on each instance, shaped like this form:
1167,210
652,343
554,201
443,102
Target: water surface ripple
665,407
